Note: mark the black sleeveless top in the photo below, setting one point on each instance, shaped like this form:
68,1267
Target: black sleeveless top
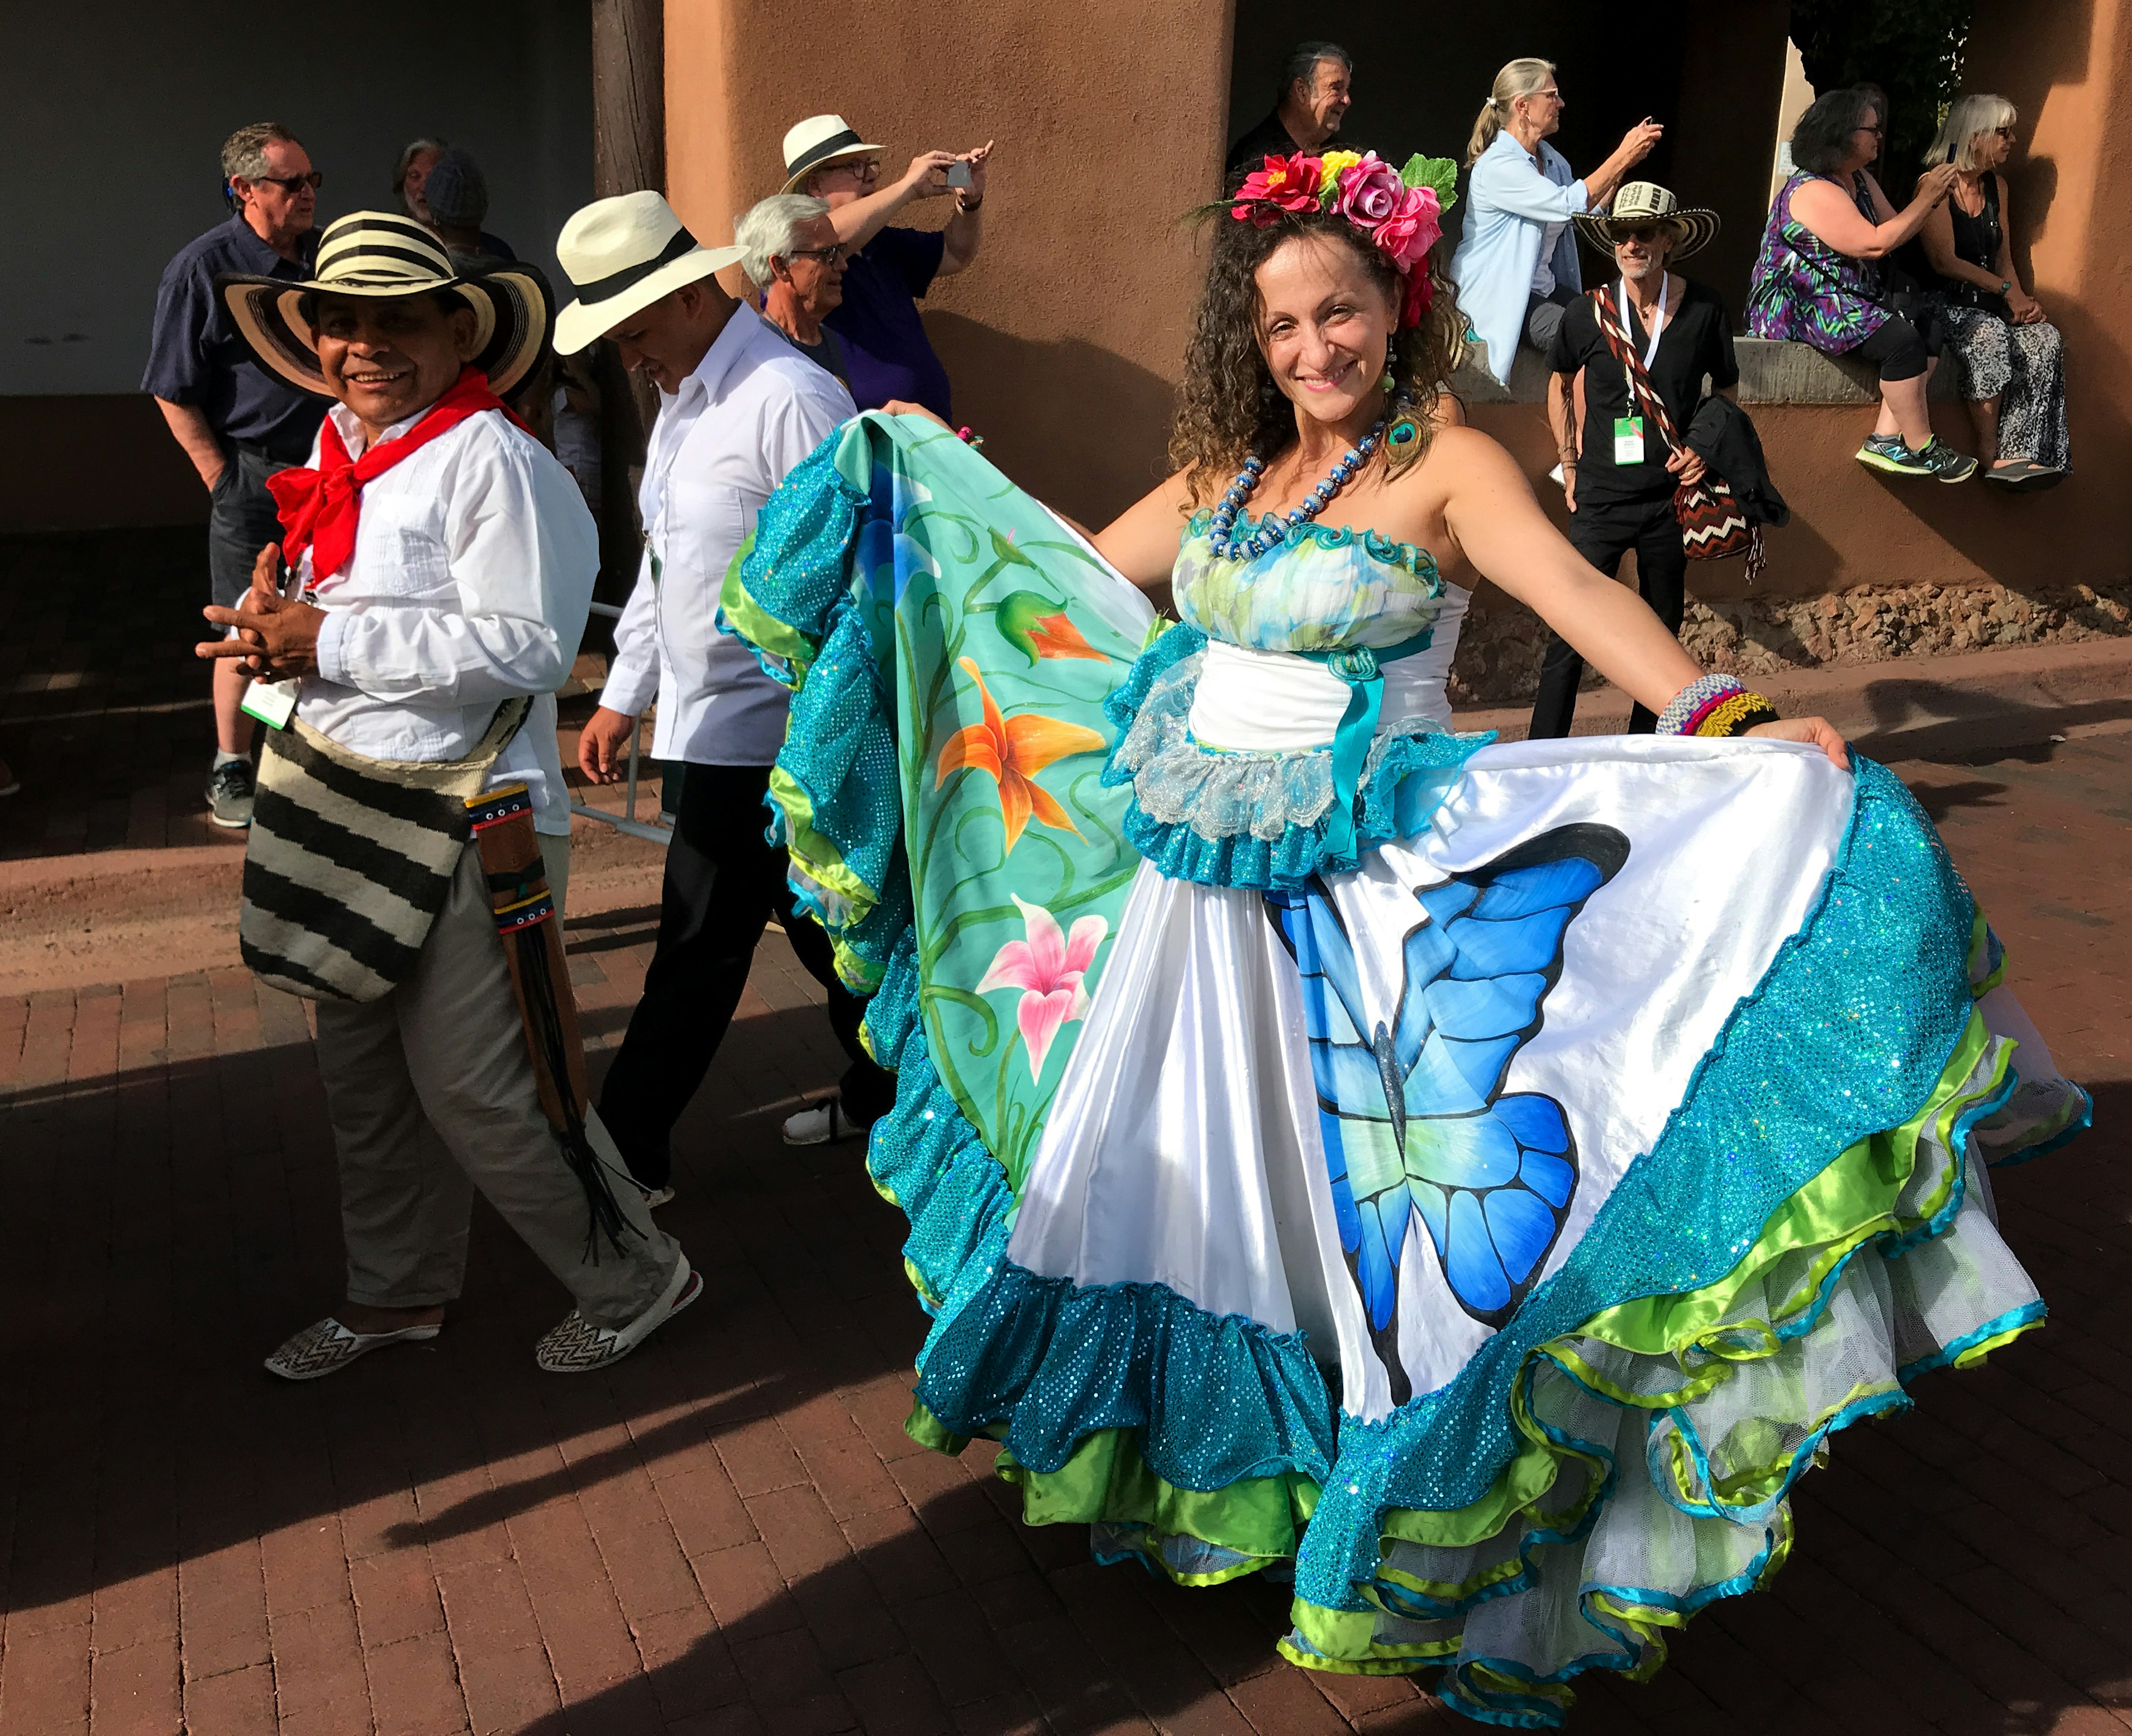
1977,240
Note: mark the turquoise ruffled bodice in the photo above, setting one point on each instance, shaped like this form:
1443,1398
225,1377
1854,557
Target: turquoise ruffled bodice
1320,588
1270,818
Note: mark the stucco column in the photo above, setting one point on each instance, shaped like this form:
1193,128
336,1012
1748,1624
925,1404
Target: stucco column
1064,340
2066,65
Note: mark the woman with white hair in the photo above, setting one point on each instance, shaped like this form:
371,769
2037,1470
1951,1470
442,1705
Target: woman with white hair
2012,357
1516,265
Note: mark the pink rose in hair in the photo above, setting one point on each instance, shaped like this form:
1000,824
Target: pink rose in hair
1368,191
1287,183
1406,236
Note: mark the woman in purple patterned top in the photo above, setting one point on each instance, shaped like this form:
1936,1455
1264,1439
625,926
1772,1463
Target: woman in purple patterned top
1819,279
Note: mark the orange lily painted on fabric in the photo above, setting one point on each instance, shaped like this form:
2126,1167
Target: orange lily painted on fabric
1038,627
1012,750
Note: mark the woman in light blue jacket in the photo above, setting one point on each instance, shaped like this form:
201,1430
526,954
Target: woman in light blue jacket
1516,264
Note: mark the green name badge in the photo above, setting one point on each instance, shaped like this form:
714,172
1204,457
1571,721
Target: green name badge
1628,439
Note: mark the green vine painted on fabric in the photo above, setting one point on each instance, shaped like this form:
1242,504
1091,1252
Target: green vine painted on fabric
999,742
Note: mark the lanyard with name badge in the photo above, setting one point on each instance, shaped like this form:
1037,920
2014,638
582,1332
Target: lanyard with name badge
274,702
1629,429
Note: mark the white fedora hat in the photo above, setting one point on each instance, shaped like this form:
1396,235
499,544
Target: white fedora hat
385,256
621,255
820,139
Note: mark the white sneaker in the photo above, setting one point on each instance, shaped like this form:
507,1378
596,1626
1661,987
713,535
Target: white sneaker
576,1346
823,1125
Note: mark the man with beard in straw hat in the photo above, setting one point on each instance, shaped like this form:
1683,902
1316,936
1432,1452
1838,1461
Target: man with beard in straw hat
1618,471
440,564
739,406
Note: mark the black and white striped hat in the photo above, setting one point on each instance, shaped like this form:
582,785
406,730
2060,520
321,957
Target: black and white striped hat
377,253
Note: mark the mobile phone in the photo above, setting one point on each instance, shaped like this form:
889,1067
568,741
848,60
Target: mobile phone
958,175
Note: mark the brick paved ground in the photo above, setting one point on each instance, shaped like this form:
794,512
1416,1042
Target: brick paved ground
730,1534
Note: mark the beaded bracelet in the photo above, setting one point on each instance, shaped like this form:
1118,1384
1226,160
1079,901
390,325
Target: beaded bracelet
1715,705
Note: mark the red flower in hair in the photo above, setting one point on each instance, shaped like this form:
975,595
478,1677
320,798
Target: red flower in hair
1286,183
1420,296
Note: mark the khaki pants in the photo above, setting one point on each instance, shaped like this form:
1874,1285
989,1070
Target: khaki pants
431,1094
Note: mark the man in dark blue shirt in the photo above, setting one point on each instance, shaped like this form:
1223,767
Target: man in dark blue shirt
238,422
886,349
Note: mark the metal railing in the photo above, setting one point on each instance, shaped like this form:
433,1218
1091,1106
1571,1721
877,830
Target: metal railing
626,822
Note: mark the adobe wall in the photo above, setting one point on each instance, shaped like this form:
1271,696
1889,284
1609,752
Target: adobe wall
1064,340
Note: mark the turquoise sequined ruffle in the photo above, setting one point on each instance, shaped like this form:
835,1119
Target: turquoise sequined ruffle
1257,820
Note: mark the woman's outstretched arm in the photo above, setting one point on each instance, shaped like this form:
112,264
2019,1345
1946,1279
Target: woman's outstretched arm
1141,541
1500,528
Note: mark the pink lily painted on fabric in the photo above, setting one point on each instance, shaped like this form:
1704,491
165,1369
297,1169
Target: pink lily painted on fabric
1047,965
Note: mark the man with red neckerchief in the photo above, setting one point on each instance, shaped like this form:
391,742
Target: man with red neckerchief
441,563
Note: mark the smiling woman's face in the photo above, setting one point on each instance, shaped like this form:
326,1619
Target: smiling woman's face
387,360
1324,326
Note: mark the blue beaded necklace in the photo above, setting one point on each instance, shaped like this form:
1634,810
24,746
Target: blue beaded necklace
1275,526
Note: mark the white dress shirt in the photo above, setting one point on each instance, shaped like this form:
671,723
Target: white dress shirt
753,408
473,565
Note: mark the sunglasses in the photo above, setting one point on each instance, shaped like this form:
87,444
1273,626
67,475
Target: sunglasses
289,184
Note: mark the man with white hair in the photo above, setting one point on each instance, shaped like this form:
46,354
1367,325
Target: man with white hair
238,424
790,252
738,407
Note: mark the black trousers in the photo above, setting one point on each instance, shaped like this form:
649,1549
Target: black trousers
1602,532
724,882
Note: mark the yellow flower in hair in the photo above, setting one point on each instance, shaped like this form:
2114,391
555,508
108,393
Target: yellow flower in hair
1330,165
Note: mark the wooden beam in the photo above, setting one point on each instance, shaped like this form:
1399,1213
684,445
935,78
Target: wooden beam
629,155
629,96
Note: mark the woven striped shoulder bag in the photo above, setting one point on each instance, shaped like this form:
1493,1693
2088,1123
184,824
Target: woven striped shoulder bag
350,858
1712,527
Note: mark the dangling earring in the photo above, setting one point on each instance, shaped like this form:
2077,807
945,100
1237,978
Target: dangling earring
1391,359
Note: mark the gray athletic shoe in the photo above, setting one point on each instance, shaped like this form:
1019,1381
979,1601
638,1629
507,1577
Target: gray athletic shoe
1946,463
229,794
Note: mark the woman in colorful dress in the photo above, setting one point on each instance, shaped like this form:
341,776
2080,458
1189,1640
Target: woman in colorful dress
1820,280
1474,1179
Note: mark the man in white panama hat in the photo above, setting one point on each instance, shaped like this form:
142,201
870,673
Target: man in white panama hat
738,407
888,270
1618,471
441,562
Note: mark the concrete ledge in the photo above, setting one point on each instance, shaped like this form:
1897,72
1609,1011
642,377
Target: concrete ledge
1770,372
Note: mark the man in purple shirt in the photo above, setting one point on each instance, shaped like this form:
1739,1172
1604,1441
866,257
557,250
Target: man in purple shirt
886,348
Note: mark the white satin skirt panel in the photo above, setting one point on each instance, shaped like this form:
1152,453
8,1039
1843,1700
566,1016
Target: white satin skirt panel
1183,1144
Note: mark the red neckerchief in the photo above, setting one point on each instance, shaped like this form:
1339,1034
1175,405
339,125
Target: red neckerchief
320,507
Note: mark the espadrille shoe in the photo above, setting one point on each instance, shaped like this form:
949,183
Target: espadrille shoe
578,1347
327,1347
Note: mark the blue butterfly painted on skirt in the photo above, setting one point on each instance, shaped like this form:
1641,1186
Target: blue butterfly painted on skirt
1413,1115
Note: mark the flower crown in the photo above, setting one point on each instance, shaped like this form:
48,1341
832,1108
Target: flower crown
1400,210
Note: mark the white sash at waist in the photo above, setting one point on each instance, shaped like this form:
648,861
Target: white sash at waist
1262,702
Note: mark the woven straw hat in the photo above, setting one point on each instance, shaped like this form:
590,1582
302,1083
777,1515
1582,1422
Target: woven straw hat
820,139
623,254
381,254
1642,202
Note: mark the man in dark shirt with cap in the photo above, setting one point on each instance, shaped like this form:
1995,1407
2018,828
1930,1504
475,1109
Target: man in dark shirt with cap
238,422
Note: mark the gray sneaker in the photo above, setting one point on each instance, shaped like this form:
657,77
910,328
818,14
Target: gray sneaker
229,794
1947,464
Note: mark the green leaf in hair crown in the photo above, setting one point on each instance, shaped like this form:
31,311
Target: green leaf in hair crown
1439,172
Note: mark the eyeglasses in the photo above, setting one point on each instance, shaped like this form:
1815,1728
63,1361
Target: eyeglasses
2003,132
865,169
1877,132
288,183
827,255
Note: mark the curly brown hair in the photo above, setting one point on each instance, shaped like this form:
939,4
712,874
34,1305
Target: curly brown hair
1230,407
